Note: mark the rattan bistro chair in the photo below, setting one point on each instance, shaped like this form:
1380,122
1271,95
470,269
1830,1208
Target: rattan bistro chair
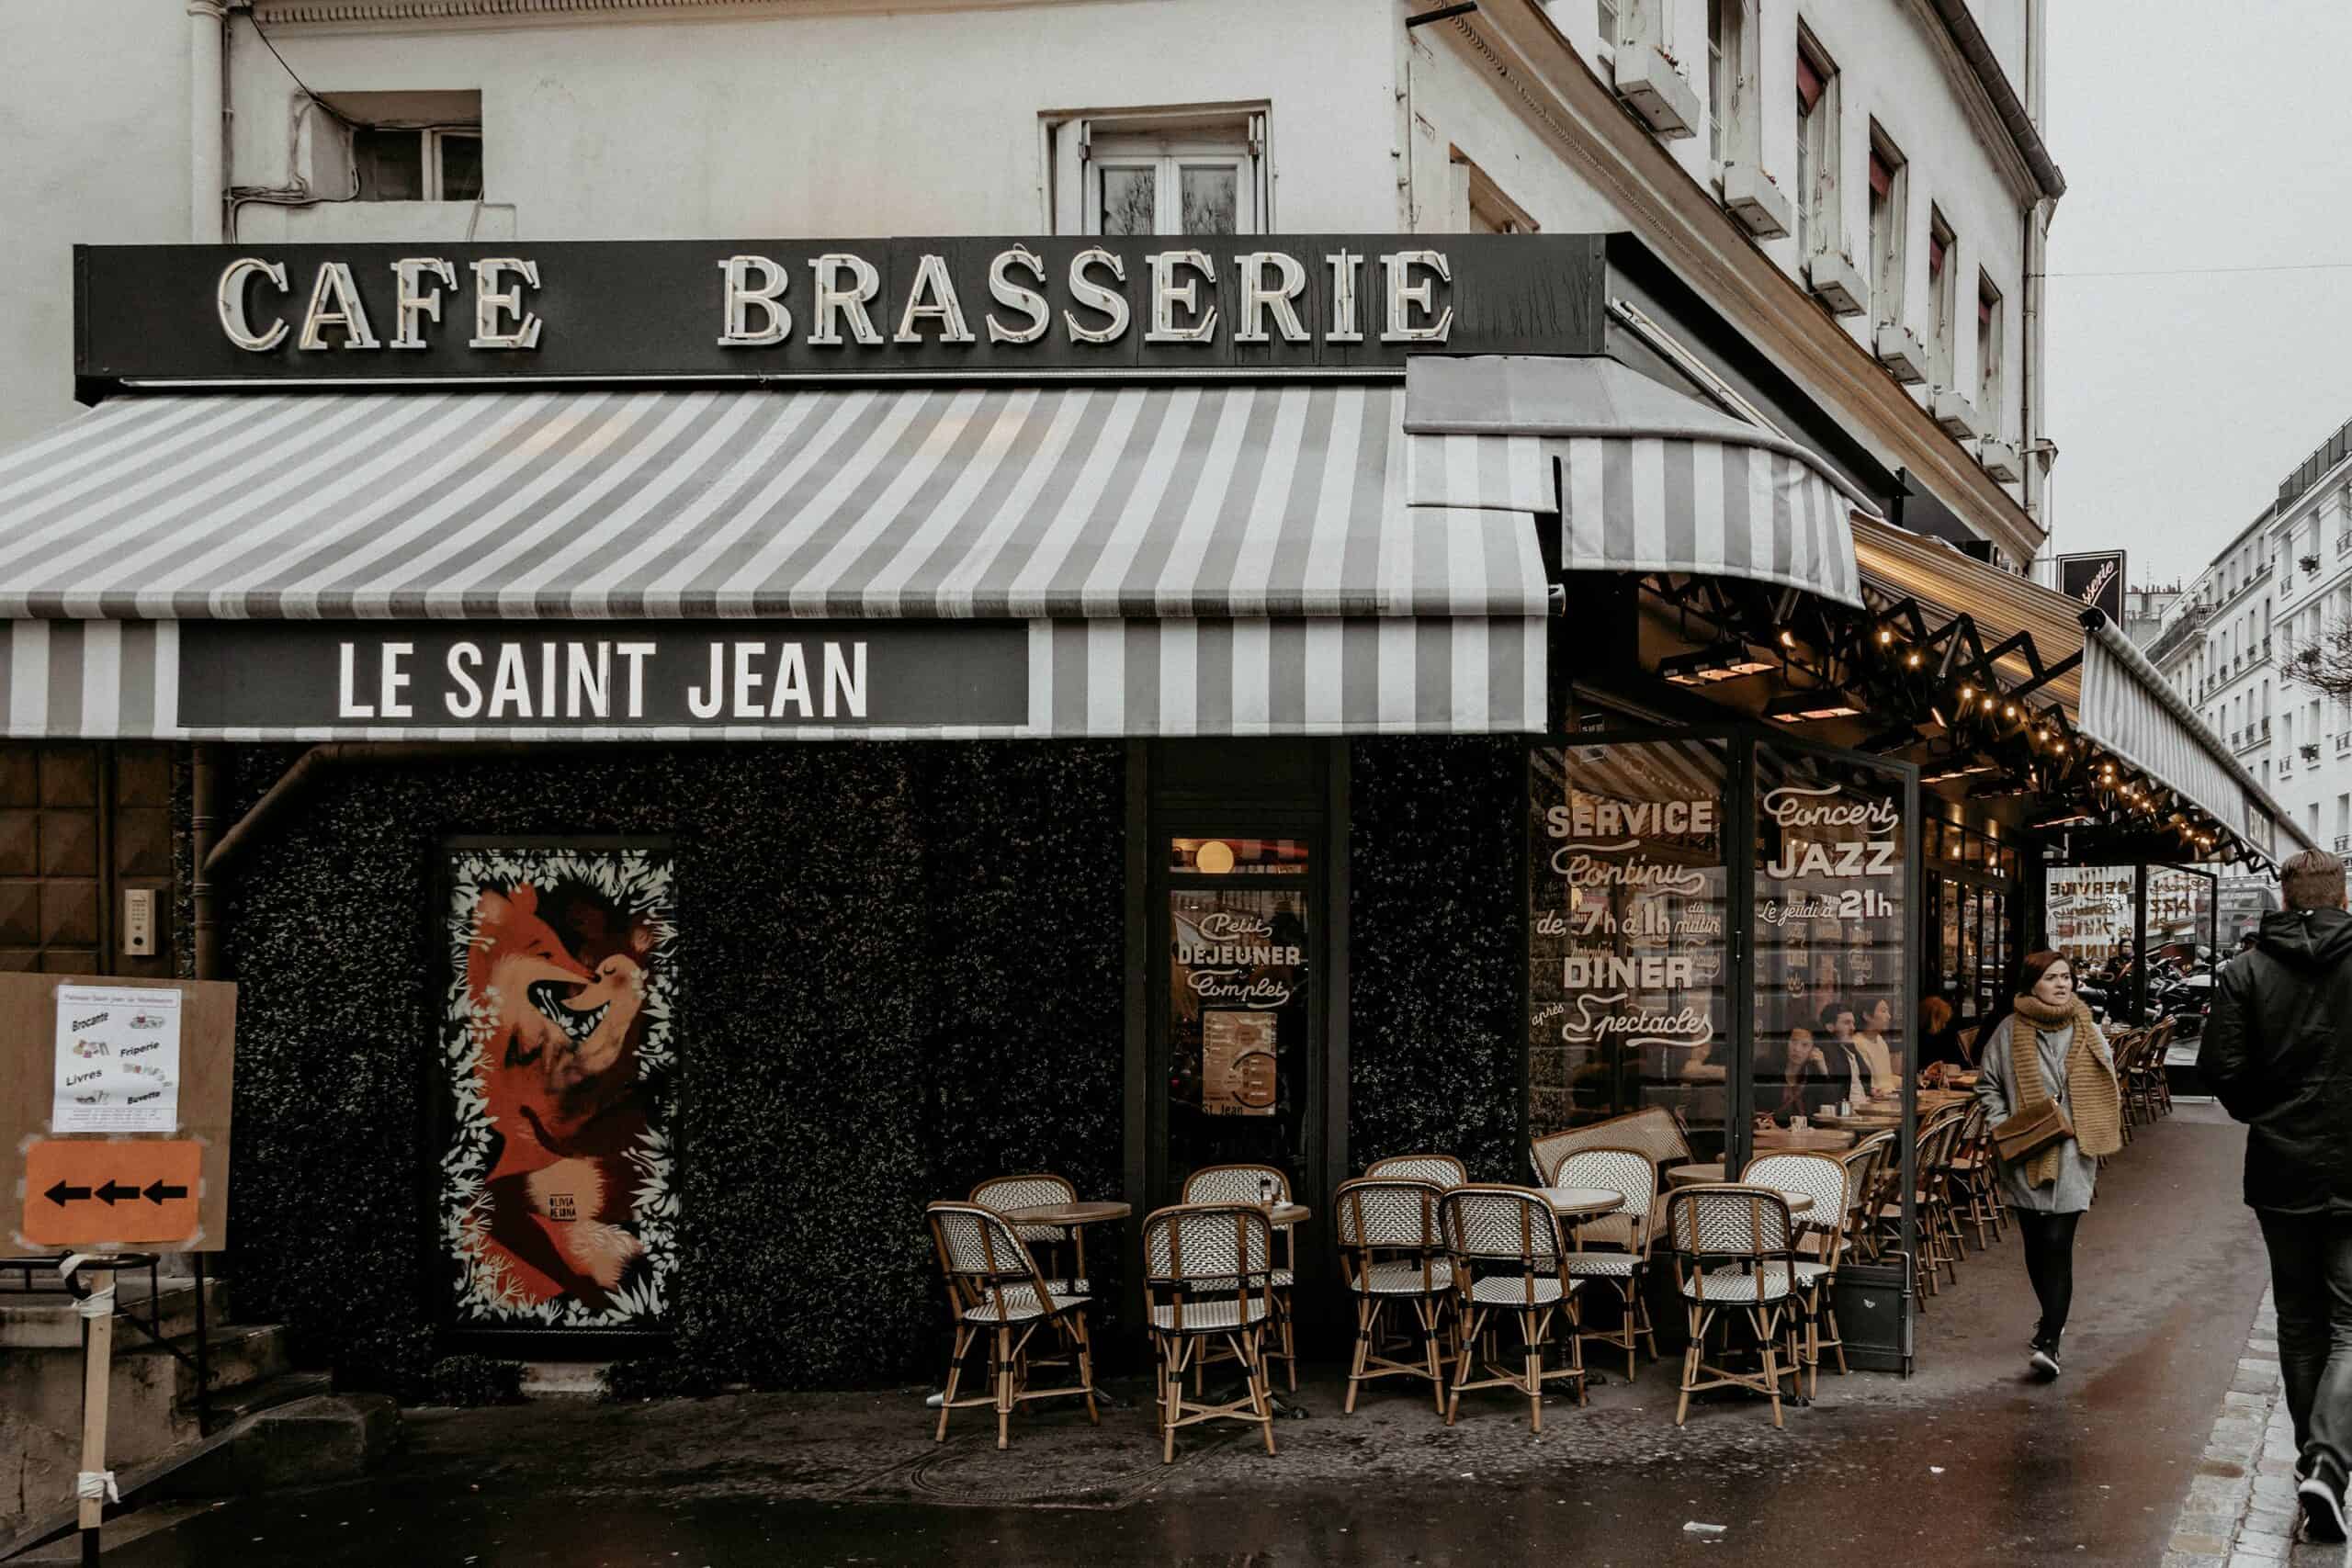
1831,1184
1393,1251
1208,1274
1508,1260
1622,1259
1253,1184
1037,1190
1734,1251
997,1297
1444,1170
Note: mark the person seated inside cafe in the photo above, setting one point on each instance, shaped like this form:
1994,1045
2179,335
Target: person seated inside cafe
1793,1079
1876,1020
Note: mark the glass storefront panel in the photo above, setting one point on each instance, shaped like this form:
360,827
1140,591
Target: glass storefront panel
1629,1000
1237,1024
1830,904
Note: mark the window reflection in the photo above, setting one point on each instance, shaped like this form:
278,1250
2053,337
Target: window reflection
1211,198
1130,200
1628,979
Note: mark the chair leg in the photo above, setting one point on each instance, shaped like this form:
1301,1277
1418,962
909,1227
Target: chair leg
964,1333
1470,1326
1763,1320
1431,1314
1171,1381
1531,1344
1367,1323
1691,1355
1086,1366
1003,1388
1290,1352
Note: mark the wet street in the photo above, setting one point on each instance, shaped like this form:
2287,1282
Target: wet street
1967,1461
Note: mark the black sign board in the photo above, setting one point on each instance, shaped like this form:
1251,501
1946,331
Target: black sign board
2095,579
758,309
599,675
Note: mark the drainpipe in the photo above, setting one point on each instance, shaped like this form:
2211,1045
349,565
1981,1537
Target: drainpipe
208,23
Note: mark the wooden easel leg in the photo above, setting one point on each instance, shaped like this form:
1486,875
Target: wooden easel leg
96,1367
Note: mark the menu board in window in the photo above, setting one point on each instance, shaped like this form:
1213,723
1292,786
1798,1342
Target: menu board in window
1830,904
1628,977
1239,999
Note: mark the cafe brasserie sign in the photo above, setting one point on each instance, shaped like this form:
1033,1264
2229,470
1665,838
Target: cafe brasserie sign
760,310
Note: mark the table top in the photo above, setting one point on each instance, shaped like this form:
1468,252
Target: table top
1863,1122
1813,1139
1581,1202
1083,1213
1699,1175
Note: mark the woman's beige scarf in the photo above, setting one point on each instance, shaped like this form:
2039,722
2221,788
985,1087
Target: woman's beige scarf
2095,1103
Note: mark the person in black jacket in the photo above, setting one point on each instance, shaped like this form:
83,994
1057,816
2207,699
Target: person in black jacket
2277,1053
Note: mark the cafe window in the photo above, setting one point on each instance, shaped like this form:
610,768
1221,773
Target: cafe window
1162,172
1832,1037
1628,965
1238,928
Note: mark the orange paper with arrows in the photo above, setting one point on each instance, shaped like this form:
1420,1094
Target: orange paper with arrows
84,1190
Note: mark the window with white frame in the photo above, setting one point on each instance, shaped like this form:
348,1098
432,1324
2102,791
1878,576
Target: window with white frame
1818,220
1479,204
412,146
1888,192
1943,262
1161,172
1728,77
1988,355
1604,13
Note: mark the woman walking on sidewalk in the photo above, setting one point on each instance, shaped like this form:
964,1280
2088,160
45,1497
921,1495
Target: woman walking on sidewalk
2048,1052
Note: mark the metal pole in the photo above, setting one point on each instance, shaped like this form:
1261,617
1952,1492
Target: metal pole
2140,942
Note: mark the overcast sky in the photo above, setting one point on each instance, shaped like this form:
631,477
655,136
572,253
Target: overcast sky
2194,136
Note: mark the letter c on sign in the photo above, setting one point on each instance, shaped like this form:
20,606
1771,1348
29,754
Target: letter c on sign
231,297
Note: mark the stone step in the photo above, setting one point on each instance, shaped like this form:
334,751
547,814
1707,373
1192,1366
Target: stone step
301,1442
47,1319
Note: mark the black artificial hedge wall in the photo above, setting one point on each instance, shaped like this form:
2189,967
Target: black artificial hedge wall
1437,1051
901,972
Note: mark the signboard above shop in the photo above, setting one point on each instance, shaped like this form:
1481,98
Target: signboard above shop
759,310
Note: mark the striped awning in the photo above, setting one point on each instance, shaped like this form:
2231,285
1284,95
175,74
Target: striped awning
1188,559
2114,694
1644,478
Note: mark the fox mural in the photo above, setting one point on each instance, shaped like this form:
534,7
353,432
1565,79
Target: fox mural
557,1198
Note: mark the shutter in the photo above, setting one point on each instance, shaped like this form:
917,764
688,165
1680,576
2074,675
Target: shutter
1935,246
1882,176
1809,84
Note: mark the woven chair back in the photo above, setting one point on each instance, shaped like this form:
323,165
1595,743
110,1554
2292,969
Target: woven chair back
1630,1175
1234,1184
1031,1191
1443,1170
1379,1212
984,1259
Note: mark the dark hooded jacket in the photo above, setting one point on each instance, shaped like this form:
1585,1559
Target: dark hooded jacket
2277,1053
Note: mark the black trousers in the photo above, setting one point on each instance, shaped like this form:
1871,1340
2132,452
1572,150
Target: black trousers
2050,1264
2311,1284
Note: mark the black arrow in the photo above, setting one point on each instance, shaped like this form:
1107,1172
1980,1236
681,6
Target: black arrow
113,1190
157,1192
61,1194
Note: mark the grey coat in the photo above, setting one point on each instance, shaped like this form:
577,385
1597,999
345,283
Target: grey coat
2077,1172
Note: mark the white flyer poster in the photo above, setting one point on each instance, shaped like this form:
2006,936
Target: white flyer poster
118,1060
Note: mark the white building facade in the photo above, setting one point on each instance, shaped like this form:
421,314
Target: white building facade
1859,186
2232,645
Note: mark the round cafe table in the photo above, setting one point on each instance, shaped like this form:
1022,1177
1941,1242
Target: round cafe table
1082,1213
1807,1140
1574,1203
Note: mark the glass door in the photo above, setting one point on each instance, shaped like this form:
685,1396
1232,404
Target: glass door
1238,1005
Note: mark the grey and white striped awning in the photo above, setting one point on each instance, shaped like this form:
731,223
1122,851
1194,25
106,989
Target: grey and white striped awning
1644,478
2130,709
1189,559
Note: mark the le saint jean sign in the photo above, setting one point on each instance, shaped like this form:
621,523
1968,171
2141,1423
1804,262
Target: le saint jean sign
760,309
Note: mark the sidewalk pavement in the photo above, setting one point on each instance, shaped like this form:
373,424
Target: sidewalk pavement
1968,1460
2241,1511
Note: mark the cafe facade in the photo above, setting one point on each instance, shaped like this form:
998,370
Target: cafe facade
691,750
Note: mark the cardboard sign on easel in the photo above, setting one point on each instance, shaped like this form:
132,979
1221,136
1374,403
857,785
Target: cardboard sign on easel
114,1111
